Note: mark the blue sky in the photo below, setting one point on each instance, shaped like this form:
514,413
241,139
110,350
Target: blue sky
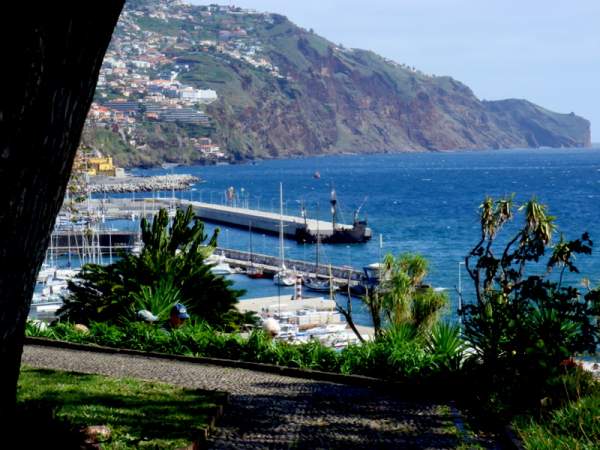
545,51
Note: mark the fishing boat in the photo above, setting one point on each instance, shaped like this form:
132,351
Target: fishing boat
369,281
284,276
340,234
320,285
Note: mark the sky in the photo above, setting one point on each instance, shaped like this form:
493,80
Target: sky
546,51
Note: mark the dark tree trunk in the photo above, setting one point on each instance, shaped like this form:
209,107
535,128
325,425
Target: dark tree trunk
51,59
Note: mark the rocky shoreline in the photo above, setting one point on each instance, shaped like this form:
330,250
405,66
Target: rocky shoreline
141,184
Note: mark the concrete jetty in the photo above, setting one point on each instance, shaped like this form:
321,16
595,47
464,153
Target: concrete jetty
294,227
264,221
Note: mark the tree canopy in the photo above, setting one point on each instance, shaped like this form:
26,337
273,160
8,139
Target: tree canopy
170,266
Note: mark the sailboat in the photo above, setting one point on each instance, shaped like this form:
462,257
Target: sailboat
253,271
283,277
315,283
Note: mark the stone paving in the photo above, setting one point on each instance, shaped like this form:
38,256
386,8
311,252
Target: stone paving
273,411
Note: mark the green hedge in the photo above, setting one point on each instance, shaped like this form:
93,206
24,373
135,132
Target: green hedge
388,357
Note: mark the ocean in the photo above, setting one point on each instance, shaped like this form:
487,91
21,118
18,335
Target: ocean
424,203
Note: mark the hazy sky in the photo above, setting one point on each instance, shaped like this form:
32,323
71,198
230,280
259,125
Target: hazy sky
547,51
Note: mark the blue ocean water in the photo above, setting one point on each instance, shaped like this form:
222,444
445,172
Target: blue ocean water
423,203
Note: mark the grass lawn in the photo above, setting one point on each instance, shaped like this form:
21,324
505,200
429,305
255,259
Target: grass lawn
140,414
573,427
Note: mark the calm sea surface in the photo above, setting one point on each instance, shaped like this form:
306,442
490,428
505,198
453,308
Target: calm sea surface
421,203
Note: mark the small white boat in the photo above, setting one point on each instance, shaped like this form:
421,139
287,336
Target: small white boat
66,274
284,278
287,331
137,248
220,267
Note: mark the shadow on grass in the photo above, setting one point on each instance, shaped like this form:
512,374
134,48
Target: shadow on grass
135,411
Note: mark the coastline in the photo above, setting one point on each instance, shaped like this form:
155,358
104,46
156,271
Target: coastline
255,161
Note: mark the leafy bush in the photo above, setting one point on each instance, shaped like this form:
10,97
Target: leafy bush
399,354
446,345
404,298
170,268
524,326
158,299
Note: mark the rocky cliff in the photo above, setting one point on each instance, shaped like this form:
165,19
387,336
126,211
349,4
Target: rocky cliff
338,100
322,98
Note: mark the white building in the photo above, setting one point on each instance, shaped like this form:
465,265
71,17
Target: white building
192,95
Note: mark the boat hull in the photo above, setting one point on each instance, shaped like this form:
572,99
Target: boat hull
359,233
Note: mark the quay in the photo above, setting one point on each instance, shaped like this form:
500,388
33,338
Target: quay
294,227
111,241
270,265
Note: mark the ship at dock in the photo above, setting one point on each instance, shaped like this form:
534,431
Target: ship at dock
358,232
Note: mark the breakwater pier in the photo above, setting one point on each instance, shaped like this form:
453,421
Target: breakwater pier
294,227
125,184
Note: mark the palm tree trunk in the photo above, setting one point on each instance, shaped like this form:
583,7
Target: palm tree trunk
53,55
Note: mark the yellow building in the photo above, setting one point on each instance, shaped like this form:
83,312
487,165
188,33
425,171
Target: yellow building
96,165
101,166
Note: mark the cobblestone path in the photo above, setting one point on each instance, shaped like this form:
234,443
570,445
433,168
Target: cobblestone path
273,411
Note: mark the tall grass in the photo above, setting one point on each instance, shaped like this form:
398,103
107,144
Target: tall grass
574,426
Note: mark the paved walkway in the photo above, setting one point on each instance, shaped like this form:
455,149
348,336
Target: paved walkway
273,411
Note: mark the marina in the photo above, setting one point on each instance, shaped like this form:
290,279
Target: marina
300,320
431,210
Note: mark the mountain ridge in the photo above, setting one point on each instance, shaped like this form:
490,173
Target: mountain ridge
285,91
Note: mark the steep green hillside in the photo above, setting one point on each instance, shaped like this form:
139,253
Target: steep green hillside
313,97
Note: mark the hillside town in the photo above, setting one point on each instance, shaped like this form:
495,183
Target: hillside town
140,81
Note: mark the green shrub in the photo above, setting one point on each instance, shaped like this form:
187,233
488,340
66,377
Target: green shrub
446,345
159,299
523,325
399,354
169,269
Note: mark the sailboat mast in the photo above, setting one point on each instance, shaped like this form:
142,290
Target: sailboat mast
318,239
281,248
251,250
